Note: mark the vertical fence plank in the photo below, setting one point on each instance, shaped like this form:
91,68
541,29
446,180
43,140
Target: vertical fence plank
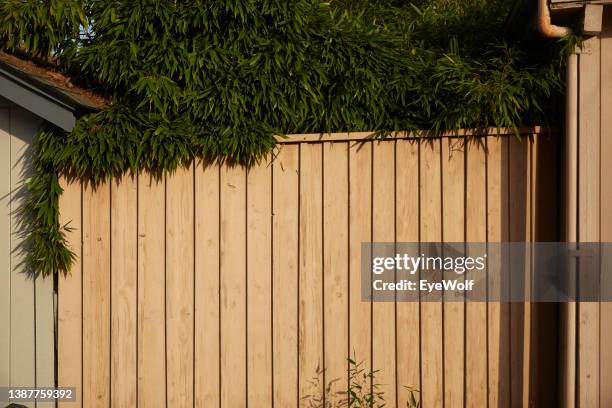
23,318
96,295
233,286
519,232
259,285
431,312
285,207
476,312
151,291
407,230
529,356
589,196
497,231
5,246
453,221
360,212
310,308
606,208
124,271
383,224
335,268
179,286
207,346
69,299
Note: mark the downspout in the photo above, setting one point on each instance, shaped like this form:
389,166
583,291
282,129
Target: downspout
545,27
567,310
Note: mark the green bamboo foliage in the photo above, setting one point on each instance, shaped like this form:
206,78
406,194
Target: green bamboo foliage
218,79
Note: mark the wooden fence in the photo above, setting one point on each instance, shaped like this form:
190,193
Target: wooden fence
221,286
26,304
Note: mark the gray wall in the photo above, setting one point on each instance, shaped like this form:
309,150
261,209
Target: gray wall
26,304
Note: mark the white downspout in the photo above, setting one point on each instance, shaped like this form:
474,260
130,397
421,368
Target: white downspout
546,28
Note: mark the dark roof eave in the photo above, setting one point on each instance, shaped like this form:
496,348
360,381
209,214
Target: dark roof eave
45,99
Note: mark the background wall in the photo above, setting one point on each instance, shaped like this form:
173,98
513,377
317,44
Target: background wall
26,304
587,372
220,286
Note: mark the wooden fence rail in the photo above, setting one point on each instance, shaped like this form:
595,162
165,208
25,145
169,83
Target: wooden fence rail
221,286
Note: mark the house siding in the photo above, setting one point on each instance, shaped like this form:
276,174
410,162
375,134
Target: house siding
26,305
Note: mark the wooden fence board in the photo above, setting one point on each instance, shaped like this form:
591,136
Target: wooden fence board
233,286
151,291
453,221
589,197
69,321
310,310
431,312
360,230
285,207
124,272
259,286
476,312
518,232
96,296
383,230
606,207
207,323
335,269
407,221
498,313
179,287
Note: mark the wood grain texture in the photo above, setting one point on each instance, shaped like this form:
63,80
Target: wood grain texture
453,221
360,137
179,286
151,291
529,355
207,340
69,300
259,286
589,196
498,324
233,286
407,222
519,231
606,207
310,310
476,312
360,230
124,273
248,284
383,230
96,295
431,312
335,268
285,207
